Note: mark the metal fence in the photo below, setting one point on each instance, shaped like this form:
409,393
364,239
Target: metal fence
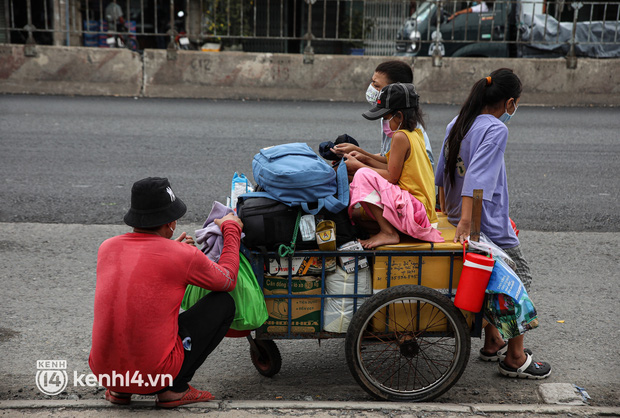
379,27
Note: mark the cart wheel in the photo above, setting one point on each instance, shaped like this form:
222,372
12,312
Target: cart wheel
266,357
407,343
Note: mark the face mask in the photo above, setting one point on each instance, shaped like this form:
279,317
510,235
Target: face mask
386,127
506,116
372,94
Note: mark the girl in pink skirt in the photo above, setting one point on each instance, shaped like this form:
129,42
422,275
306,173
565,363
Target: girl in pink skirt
400,194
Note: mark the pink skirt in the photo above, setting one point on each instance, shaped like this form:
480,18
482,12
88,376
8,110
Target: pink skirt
400,208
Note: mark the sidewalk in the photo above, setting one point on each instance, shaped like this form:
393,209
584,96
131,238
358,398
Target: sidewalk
88,408
46,313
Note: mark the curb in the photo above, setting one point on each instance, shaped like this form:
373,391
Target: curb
477,409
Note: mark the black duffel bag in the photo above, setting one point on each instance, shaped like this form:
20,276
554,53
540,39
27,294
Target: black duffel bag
268,223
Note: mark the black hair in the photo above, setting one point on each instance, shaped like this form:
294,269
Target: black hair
411,118
500,86
396,71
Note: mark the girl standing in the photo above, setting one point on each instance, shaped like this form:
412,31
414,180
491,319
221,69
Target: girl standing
398,194
472,157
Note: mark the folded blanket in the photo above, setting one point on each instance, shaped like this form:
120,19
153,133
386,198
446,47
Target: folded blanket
210,236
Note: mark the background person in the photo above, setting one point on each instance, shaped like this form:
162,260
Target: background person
114,16
472,157
475,8
388,72
141,280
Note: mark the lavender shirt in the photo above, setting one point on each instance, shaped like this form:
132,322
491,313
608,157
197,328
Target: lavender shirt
480,166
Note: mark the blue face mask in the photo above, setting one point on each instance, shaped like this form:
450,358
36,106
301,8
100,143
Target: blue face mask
506,116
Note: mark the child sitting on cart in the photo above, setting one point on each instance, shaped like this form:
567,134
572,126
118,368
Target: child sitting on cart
400,194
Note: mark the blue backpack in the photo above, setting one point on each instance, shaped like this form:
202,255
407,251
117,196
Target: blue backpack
295,175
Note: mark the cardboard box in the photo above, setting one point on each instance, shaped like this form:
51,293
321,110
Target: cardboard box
305,312
348,262
405,270
299,266
402,317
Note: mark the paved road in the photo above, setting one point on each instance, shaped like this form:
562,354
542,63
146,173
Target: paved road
73,159
68,165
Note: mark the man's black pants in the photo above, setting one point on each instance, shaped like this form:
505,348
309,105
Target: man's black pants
206,324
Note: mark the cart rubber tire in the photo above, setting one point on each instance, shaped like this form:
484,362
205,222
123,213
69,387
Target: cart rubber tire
267,360
417,357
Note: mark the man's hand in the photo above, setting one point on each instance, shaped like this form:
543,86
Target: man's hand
185,238
230,217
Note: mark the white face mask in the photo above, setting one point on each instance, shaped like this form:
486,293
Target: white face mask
372,94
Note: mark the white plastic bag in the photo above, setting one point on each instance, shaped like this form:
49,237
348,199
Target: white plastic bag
339,311
485,245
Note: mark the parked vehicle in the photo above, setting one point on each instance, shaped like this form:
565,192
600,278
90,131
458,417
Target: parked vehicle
467,35
510,29
123,38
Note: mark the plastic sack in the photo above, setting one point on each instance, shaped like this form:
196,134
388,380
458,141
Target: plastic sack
485,245
507,304
339,311
251,311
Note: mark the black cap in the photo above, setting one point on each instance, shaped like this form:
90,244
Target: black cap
393,97
153,204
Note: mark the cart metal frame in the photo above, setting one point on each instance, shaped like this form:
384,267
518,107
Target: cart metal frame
266,356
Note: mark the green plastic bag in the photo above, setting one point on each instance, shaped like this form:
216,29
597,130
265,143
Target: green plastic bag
251,311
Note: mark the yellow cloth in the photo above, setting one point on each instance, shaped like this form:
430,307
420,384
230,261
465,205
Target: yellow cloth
417,176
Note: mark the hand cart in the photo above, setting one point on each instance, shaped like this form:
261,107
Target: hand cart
406,341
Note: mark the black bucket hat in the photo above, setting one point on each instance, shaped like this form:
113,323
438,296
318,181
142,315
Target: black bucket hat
153,204
393,97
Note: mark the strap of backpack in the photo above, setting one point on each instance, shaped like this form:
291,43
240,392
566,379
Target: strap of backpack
256,194
332,203
304,206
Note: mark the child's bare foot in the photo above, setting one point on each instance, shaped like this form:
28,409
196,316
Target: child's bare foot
382,238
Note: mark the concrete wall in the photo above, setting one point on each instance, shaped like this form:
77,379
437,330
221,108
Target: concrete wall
70,70
236,75
257,76
545,81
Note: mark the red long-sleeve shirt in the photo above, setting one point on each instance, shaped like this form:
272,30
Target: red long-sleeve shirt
141,280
